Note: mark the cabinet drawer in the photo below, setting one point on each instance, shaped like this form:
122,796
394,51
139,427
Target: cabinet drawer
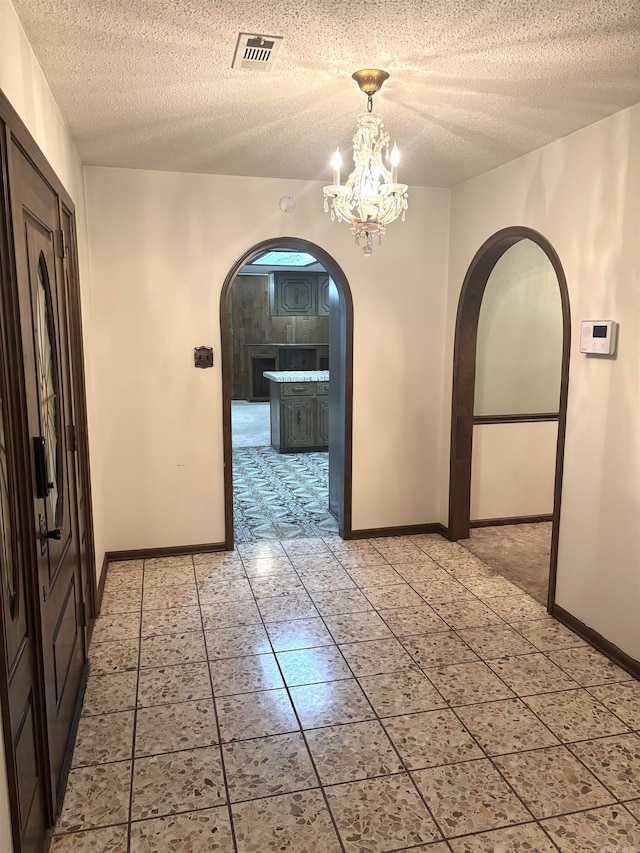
322,389
261,351
298,389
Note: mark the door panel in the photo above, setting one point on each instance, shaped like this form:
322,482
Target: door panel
45,351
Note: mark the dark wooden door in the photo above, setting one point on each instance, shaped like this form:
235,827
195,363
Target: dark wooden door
47,379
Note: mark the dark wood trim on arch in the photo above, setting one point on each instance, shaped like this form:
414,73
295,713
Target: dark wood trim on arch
341,352
464,374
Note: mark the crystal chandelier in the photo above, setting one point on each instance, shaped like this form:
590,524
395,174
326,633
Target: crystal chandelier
372,196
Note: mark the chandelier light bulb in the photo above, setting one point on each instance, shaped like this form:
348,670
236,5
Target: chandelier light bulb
336,163
371,196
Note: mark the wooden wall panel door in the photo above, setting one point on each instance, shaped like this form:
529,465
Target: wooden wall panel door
47,378
298,422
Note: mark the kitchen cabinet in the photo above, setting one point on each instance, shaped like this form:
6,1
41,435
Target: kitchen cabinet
300,294
299,410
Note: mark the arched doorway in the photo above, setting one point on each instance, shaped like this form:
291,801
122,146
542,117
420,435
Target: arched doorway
341,384
464,375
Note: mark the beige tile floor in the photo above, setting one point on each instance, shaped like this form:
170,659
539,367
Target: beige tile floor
317,695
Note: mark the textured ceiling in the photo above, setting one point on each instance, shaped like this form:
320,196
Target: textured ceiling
474,83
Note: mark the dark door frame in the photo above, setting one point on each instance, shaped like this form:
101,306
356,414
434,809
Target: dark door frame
340,353
464,374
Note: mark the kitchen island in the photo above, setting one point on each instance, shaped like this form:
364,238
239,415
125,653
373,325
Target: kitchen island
299,408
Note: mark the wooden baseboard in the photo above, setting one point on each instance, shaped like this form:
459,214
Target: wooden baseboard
172,551
625,661
516,519
100,592
406,530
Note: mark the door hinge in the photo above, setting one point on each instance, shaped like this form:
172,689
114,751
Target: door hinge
60,247
82,614
72,444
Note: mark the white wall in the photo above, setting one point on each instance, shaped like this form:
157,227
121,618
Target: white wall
161,246
499,450
583,194
519,348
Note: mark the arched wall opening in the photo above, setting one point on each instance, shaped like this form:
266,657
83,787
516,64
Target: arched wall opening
464,383
340,386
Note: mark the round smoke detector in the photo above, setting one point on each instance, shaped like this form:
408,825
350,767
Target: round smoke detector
287,204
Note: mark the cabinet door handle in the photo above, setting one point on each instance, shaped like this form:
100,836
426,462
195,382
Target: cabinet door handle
299,417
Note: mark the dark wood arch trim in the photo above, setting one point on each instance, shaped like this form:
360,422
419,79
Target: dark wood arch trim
464,375
341,353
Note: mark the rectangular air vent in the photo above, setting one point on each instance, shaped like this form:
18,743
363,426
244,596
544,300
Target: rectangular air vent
256,52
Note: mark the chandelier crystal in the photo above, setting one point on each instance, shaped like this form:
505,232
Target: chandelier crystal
371,198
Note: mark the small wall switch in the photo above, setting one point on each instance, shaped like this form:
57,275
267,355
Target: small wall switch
203,357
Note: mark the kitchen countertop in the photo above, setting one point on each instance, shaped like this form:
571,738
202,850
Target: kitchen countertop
297,375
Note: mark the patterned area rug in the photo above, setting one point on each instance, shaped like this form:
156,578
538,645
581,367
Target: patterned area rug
280,496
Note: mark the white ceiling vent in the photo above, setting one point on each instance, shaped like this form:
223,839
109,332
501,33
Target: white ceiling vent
256,52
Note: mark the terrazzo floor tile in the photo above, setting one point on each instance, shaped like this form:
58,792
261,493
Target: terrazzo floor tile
217,592
260,550
96,796
349,601
177,782
103,738
353,751
441,591
465,614
108,693
588,667
297,822
252,715
516,609
615,761
274,585
283,608
116,656
174,620
549,635
606,830
169,577
169,684
216,616
529,674
217,559
330,580
379,815
491,587
268,766
413,620
469,797
207,576
506,726
308,545
131,567
438,649
172,649
169,728
575,715
396,693
113,839
496,641
424,570
552,781
203,831
331,703
237,641
431,738
468,683
182,562
634,807
623,699
528,838
376,656
121,601
167,597
245,675
306,564
267,566
114,627
376,575
363,559
310,666
352,627
398,551
392,596
298,634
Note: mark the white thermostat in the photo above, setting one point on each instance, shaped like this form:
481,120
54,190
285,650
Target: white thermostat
599,337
